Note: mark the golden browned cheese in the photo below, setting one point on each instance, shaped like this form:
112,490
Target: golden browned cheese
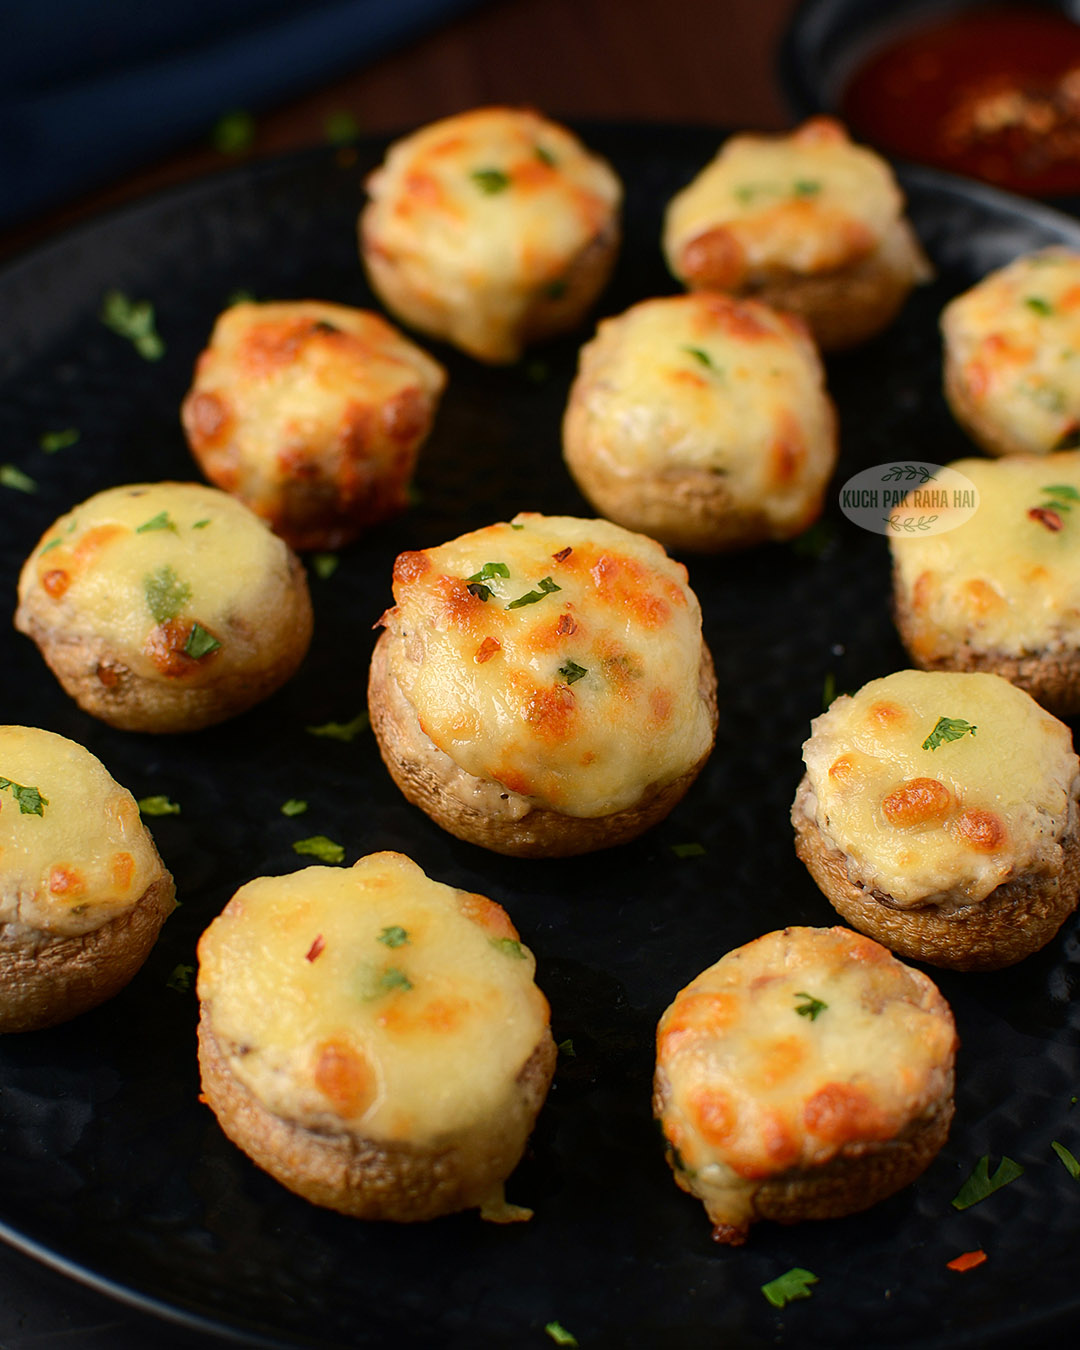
558,657
798,1047
1013,354
810,202
478,220
1007,580
707,383
312,414
178,581
74,852
941,813
372,999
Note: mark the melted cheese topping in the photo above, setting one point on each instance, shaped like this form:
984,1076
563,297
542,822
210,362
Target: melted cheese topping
752,1088
291,390
1014,341
86,858
579,699
947,825
371,997
807,202
706,382
138,567
1007,580
481,212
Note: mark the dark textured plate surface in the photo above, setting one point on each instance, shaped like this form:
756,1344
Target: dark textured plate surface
109,1166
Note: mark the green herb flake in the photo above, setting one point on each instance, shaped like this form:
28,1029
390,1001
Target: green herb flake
1071,1165
393,936
12,477
691,850
158,806
490,181
544,156
295,806
482,592
1038,305
514,526
786,1288
31,802
134,320
241,297
828,689
318,846
948,729
1046,396
324,565
981,1184
806,187
166,594
159,522
340,127
547,587
489,570
509,947
567,1048
811,1008
746,193
560,1335
181,979
234,132
53,543
395,979
201,524
200,643
1064,493
702,357
52,441
342,731
572,672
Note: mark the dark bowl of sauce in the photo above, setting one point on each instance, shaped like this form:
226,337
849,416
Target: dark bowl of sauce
989,90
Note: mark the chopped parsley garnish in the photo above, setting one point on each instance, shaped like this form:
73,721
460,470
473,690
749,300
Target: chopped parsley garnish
180,978
510,946
200,643
514,526
807,187
572,672
567,1048
341,127
948,729
981,1184
342,731
51,441
1038,305
166,594
393,936
295,806
1060,496
793,1284
702,357
161,521
158,806
489,570
491,180
134,320
234,132
811,1008
318,846
201,524
560,1335
53,543
31,802
691,850
481,591
1068,1160
394,979
544,156
324,565
547,587
12,477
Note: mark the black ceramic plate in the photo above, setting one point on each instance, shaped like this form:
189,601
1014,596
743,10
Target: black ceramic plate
109,1166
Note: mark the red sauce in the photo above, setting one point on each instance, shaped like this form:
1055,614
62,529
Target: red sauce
992,92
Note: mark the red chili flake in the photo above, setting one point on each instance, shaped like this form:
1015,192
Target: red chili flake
316,948
562,554
487,650
968,1261
1046,517
567,627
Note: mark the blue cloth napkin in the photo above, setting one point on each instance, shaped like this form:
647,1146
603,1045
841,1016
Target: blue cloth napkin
90,89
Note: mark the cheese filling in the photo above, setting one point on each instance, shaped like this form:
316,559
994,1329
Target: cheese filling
372,998
1007,581
939,787
74,852
556,656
